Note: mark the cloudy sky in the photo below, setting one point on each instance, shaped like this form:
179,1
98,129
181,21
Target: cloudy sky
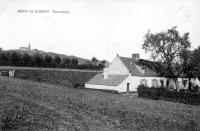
100,28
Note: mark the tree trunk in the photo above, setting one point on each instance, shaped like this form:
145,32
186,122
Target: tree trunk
176,84
189,85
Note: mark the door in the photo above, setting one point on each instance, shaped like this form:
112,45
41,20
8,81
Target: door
128,84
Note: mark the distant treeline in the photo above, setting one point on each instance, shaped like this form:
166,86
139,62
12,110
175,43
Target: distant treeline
13,58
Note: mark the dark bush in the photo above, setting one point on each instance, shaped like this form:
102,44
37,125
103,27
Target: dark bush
164,94
4,73
79,85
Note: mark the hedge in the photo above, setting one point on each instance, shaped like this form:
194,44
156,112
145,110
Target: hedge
164,94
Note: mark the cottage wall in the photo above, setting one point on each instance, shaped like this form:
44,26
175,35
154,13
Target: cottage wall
117,67
103,87
135,81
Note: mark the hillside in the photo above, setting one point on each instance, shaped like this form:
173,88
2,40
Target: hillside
65,77
43,53
26,105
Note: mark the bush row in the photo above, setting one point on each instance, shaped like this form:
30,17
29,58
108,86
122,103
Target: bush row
15,58
164,94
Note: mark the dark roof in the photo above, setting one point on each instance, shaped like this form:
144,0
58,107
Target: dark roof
130,65
133,65
112,80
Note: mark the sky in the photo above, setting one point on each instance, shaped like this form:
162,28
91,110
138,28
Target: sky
94,28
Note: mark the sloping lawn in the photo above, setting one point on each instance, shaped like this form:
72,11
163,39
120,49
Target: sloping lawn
27,105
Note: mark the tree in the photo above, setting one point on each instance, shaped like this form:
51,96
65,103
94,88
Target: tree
94,59
26,59
15,58
38,60
67,62
57,60
47,60
102,64
3,58
74,62
166,47
195,62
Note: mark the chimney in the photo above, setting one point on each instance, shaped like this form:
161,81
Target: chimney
105,73
136,56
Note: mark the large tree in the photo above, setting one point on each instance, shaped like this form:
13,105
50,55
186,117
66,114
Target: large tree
15,58
47,60
67,62
38,60
166,47
4,60
57,60
74,62
195,62
26,59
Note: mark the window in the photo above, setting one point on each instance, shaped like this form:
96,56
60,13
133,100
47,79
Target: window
168,80
161,83
155,83
128,84
184,83
143,82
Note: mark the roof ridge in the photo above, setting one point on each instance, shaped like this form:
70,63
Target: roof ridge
132,64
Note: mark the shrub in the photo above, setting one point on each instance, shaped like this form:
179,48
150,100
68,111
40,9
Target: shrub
164,94
79,85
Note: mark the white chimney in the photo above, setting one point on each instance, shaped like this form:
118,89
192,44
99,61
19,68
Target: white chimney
105,73
136,56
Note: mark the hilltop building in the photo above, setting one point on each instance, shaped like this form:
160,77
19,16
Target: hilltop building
26,48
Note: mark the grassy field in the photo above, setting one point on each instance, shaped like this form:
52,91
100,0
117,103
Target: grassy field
65,77
27,105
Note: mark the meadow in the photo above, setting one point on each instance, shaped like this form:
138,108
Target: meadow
28,105
64,77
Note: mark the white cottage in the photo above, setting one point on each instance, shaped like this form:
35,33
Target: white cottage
124,75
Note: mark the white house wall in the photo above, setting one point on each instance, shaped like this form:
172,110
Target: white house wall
103,87
135,81
117,67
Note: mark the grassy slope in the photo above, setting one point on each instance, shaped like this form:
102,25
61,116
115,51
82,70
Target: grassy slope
66,77
49,107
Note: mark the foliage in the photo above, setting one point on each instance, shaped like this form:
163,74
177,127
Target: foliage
74,61
94,59
3,58
166,47
26,59
57,61
67,62
165,94
14,58
195,62
48,60
38,60
156,66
